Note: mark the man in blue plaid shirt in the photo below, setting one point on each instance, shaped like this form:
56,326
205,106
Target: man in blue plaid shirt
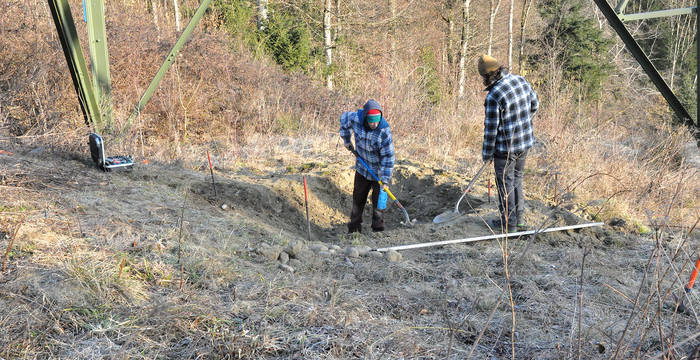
375,145
510,105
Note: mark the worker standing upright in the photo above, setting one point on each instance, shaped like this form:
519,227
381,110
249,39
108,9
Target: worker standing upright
509,106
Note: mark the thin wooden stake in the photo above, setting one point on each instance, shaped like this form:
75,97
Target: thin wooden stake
211,170
12,240
306,202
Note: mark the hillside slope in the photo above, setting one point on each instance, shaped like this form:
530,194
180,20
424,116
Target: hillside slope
103,267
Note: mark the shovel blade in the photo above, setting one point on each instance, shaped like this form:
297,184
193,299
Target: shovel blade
446,216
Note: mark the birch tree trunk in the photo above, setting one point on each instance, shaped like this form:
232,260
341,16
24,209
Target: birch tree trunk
392,32
328,44
262,14
492,18
464,44
177,16
448,57
523,20
155,17
510,35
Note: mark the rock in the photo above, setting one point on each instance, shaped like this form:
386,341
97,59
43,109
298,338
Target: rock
334,247
352,252
224,206
324,254
376,254
286,268
617,222
393,256
349,278
284,257
305,255
295,263
364,250
294,247
318,247
270,252
37,151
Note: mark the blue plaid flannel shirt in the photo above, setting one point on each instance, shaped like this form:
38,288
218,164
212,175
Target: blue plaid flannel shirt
510,105
376,146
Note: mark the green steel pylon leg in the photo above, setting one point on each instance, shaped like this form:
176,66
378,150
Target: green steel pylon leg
169,60
99,57
62,18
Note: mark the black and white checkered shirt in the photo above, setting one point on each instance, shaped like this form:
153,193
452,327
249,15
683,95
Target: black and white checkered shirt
510,105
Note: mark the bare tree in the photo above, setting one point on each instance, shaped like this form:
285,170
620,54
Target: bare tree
523,20
392,32
683,30
449,36
493,10
177,16
328,44
464,44
510,34
262,14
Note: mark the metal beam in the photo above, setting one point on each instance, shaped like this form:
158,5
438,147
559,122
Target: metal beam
169,60
99,58
621,6
62,18
657,14
489,237
644,61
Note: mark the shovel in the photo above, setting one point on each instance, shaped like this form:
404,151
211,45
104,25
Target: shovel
450,214
408,221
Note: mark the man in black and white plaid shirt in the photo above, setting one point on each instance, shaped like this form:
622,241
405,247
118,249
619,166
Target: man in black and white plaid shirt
510,105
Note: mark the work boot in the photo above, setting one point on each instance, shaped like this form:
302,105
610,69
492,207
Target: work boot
497,225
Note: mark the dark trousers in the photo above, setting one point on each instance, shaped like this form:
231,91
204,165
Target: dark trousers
359,199
509,170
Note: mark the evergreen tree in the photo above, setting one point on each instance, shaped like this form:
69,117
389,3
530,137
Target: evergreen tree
578,44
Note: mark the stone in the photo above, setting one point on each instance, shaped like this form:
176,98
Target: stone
375,254
334,247
617,222
284,257
270,252
295,263
324,254
393,256
286,268
305,255
318,247
294,247
364,250
352,252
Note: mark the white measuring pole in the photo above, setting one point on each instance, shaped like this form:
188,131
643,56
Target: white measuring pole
489,237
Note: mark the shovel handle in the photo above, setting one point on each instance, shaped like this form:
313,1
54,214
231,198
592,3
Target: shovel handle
471,183
386,188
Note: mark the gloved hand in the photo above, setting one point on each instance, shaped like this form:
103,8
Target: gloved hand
350,147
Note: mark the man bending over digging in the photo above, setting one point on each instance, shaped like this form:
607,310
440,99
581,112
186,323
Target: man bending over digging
374,145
